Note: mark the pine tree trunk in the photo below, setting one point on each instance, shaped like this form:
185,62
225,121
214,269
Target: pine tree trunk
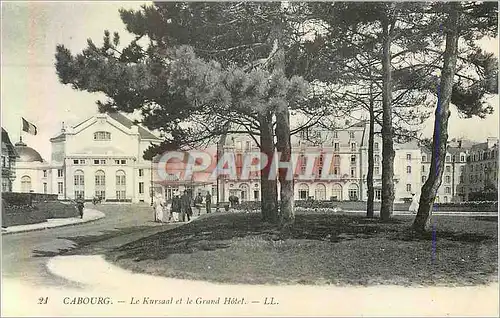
269,191
440,138
387,206
369,175
283,145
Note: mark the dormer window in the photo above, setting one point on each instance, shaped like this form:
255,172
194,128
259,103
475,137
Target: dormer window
102,135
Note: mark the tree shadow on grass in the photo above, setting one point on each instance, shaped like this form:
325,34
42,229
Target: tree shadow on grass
216,232
87,240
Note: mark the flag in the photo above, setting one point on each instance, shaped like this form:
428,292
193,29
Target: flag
29,127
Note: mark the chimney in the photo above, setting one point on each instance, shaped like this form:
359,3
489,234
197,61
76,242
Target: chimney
460,143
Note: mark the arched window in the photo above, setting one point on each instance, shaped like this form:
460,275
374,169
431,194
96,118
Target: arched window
25,184
121,185
100,184
320,192
79,178
353,192
303,191
337,192
244,191
102,135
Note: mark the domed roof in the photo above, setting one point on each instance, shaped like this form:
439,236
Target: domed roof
27,154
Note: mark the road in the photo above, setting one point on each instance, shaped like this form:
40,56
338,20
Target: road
25,254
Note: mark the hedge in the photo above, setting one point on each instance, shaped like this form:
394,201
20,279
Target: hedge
480,206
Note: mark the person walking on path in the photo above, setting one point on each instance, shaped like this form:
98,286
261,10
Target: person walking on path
176,207
198,202
208,202
186,210
80,203
414,204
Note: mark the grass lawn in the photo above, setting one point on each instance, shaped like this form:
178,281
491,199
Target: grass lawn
321,249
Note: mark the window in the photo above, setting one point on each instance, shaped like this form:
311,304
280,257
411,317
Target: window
102,135
303,192
100,178
60,188
423,168
447,190
378,194
376,159
99,161
447,179
141,172
353,192
376,170
423,179
25,184
408,169
336,171
376,146
141,187
337,192
76,161
462,158
353,173
121,185
408,187
120,195
448,158
6,185
120,178
4,161
448,169
123,161
79,178
445,199
303,164
335,134
45,187
408,156
353,146
256,195
45,173
59,173
320,192
353,159
351,134
79,193
424,158
336,146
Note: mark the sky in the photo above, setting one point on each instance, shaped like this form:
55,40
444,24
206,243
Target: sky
30,87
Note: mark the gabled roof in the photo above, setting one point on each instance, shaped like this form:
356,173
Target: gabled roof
125,121
8,143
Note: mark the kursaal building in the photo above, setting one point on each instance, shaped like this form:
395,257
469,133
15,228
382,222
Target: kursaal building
100,157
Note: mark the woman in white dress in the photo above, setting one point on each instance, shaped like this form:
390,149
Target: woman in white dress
159,207
414,204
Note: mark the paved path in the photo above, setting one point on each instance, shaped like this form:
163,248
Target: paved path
24,255
89,215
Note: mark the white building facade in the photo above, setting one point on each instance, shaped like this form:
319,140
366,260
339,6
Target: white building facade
100,157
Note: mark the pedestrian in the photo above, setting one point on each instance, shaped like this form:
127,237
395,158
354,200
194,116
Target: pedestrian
414,204
186,210
80,202
208,202
158,207
198,202
176,207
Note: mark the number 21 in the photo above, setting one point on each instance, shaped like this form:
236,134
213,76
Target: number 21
43,300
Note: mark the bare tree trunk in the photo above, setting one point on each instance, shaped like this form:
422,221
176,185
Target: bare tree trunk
440,138
387,205
269,191
369,175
